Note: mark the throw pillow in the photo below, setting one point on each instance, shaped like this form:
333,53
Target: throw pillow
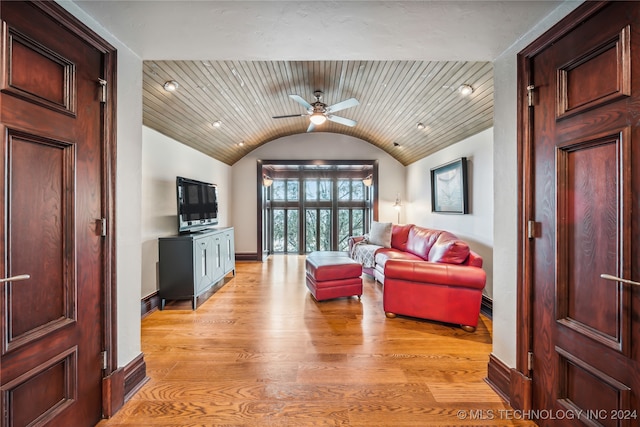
380,234
449,249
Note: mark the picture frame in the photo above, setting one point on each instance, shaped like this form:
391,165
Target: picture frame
449,187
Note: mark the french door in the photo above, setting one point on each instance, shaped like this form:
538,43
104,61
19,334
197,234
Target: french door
311,205
309,213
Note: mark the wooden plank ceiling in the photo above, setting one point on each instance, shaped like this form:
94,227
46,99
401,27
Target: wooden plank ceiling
394,97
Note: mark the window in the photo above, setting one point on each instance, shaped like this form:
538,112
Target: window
312,208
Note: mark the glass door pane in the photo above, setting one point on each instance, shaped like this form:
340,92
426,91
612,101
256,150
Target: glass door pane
325,229
278,230
311,230
293,242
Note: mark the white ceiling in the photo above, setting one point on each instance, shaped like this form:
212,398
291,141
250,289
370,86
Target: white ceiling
318,30
206,30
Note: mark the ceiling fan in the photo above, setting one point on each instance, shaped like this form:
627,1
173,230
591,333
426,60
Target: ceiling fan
319,112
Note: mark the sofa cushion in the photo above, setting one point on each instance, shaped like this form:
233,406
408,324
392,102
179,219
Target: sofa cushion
380,234
385,254
400,236
420,241
449,249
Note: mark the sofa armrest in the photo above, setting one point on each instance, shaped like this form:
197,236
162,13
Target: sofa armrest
353,240
437,273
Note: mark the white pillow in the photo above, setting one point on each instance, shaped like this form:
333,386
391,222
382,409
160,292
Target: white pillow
380,234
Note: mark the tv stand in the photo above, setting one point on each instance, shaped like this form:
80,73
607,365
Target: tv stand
191,264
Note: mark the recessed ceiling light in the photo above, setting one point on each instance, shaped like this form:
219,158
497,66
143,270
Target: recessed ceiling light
395,144
241,144
465,90
216,124
171,85
421,126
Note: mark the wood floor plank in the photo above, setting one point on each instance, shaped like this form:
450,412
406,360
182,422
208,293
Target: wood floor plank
262,352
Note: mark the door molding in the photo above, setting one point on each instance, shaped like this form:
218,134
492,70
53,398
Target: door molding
518,385
112,399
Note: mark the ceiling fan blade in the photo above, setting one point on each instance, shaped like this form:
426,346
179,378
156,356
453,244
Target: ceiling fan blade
347,103
311,127
289,115
342,120
301,101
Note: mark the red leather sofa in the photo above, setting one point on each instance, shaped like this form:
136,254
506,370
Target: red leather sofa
430,274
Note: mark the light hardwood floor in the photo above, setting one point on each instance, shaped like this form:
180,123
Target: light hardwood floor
262,352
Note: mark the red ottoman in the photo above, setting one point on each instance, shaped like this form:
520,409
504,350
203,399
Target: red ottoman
333,275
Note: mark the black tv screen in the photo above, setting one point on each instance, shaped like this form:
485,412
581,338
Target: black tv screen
197,204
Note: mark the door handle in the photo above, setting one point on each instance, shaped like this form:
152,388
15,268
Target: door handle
15,278
619,279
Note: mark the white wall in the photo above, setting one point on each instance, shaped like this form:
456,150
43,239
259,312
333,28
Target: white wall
312,146
476,228
128,191
505,189
163,159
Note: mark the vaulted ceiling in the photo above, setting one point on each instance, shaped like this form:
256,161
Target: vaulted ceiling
236,62
243,96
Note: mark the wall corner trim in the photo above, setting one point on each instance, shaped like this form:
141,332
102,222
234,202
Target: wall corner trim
135,376
511,384
119,386
499,377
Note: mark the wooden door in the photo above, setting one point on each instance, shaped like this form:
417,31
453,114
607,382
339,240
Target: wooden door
584,207
51,179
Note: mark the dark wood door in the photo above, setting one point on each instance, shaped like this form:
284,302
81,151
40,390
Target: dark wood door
51,182
585,161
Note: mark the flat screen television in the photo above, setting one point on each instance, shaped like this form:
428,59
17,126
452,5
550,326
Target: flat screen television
197,204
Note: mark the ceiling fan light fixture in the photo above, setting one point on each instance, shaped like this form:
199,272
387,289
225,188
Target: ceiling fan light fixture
465,90
171,85
318,118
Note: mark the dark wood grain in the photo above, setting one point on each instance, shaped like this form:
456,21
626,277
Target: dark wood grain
57,184
579,174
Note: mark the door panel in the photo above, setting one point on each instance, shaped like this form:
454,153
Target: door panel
590,234
52,283
51,180
53,86
585,180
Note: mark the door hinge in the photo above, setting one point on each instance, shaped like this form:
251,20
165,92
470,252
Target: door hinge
530,361
103,227
531,229
530,94
104,360
103,90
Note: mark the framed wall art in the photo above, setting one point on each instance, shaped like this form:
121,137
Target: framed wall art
449,187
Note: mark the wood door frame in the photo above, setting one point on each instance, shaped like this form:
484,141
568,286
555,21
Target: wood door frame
113,378
520,391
